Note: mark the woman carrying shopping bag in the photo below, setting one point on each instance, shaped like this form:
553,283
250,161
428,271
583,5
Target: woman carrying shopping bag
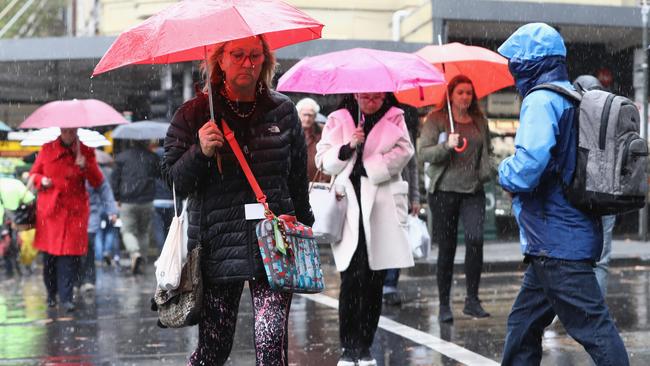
366,144
456,189
222,212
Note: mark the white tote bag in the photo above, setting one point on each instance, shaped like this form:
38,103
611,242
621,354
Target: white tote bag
330,205
419,237
170,263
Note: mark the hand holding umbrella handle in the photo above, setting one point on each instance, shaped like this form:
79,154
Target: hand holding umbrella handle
463,146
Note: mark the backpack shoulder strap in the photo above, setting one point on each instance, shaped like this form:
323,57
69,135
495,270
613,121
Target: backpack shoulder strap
572,95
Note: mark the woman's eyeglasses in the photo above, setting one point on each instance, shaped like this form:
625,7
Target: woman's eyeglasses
239,57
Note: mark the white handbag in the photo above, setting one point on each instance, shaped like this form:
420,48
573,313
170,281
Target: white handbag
329,204
419,237
170,263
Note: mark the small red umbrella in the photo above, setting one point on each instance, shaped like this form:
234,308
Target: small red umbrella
487,69
187,31
74,114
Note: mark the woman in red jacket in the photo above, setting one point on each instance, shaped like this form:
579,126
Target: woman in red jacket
62,210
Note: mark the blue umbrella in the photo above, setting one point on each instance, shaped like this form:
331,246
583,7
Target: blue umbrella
4,127
142,130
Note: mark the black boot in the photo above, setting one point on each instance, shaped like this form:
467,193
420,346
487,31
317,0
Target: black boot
444,314
473,308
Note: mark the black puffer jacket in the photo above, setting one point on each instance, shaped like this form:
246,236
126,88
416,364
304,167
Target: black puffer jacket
274,144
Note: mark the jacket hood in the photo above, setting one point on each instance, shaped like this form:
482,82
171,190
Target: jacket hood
529,74
533,41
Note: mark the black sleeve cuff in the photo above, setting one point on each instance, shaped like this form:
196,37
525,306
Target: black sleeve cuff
345,152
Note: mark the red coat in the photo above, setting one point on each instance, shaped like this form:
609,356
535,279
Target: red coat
62,209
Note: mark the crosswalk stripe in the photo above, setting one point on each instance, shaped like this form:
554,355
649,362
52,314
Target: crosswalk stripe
446,348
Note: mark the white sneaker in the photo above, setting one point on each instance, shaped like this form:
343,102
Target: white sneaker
87,287
345,363
367,362
366,359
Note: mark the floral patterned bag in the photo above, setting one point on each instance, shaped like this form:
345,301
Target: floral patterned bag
288,248
290,255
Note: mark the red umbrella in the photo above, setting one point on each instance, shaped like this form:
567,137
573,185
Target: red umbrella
74,113
488,71
188,30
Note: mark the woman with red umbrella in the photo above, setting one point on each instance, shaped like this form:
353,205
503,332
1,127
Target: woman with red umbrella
456,189
201,166
60,172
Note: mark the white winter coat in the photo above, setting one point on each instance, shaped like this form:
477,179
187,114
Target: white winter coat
384,195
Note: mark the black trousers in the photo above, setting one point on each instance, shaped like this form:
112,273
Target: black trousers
446,209
359,300
59,274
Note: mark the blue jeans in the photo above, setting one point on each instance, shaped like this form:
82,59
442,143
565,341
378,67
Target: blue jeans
602,267
570,290
390,282
162,219
105,242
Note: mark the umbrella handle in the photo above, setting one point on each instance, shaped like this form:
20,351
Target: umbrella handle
463,146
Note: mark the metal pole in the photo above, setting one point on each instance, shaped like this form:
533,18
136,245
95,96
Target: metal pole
643,214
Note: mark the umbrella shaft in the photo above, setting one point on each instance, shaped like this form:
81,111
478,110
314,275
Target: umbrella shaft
209,81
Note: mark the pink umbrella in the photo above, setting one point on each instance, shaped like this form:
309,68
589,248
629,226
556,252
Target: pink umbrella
360,70
74,113
188,30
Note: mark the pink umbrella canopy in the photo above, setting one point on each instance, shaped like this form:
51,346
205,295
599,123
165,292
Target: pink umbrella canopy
73,114
187,30
359,70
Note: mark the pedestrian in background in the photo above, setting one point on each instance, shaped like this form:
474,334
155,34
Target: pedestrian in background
456,190
107,233
307,111
13,193
410,174
163,207
134,185
560,242
102,202
60,172
266,126
367,156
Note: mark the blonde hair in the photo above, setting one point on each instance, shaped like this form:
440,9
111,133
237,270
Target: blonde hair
216,73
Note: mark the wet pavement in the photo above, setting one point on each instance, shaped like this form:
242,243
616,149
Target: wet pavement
114,326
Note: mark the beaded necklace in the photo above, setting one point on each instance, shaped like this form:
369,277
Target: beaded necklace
234,109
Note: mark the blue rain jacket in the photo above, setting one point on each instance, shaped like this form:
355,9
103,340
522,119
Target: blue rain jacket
545,150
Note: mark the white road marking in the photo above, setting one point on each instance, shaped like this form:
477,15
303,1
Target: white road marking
448,349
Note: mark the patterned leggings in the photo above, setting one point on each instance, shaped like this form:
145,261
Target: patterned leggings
217,327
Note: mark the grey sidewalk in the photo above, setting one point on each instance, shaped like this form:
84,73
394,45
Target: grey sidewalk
506,256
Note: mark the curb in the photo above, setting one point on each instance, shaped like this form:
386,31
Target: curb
428,268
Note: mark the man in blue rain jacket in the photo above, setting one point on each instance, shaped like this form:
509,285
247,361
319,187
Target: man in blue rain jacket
560,242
